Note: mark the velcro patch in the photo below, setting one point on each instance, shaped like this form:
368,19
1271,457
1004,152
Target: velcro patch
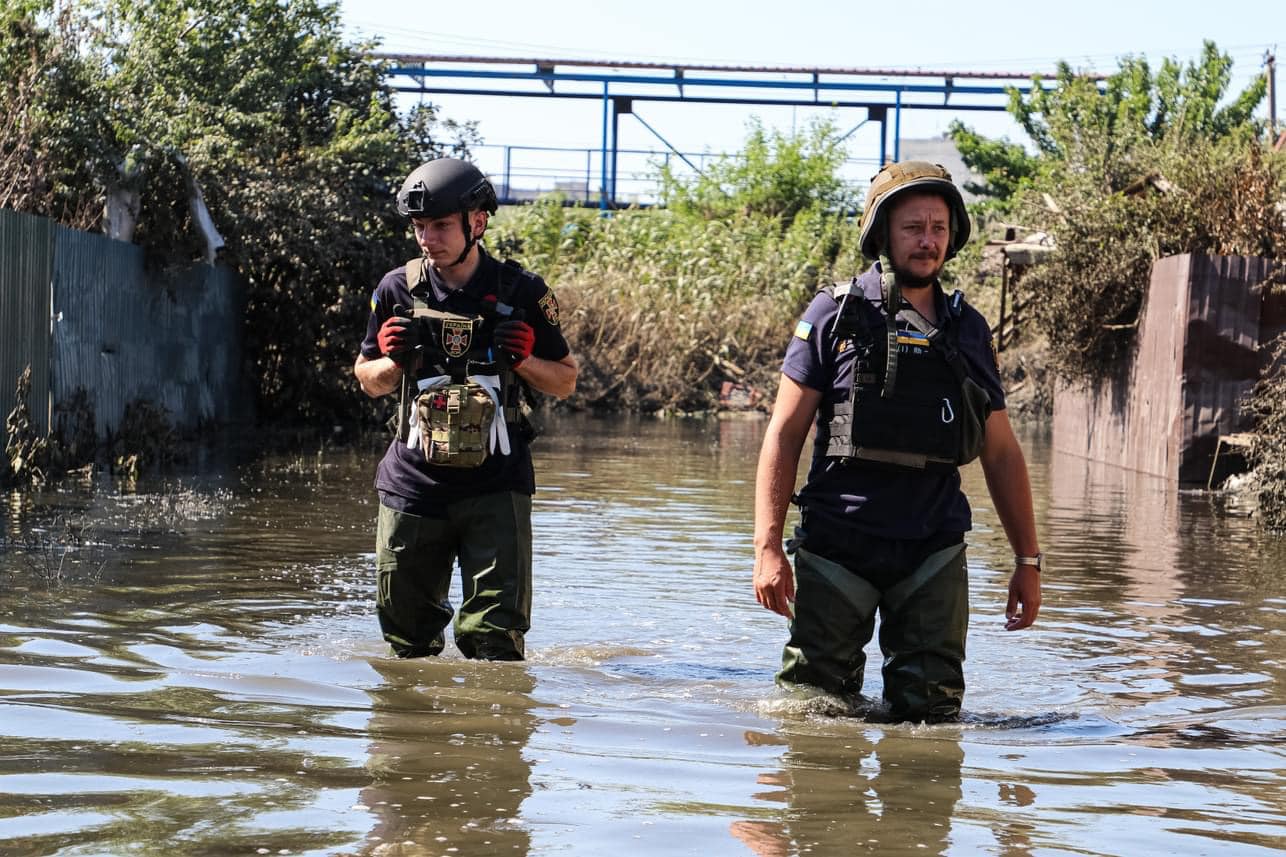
911,337
549,304
803,330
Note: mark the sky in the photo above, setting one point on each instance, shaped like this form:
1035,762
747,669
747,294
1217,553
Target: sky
1091,35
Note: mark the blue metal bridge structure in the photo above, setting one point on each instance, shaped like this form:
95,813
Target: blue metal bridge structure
875,95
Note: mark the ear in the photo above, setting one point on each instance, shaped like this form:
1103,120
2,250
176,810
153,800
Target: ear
478,222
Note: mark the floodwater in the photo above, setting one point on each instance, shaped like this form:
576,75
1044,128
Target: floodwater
195,668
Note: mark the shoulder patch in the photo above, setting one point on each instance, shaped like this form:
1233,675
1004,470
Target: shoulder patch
549,305
374,301
803,330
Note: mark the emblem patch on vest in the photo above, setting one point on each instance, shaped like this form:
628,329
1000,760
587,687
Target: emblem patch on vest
549,304
456,336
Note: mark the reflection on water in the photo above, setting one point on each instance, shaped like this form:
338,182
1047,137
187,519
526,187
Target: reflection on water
198,667
446,757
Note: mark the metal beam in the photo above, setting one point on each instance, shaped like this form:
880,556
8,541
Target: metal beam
674,99
617,84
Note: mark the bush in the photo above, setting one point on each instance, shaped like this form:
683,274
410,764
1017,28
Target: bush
1267,454
1128,170
661,308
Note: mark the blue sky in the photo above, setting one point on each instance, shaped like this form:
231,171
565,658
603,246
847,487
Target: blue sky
979,36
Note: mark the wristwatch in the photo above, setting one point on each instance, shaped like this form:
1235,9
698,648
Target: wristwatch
1034,561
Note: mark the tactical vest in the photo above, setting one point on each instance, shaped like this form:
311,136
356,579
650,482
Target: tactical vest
919,410
454,414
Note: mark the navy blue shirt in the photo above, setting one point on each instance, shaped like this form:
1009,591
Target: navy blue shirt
405,479
895,503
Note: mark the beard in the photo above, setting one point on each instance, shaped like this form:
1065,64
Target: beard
908,280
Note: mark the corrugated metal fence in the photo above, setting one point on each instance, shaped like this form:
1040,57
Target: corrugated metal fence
26,272
94,317
1197,356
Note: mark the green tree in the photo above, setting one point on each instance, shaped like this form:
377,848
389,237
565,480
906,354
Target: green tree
53,143
284,125
775,174
1128,170
1005,167
1108,130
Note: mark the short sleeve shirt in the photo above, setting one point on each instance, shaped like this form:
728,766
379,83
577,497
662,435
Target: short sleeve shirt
405,479
894,503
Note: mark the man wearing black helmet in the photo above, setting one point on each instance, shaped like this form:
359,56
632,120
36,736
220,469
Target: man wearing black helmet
462,339
903,387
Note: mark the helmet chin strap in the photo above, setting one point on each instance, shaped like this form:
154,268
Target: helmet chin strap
469,241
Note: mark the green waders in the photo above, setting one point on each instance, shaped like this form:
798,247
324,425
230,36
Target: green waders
923,620
414,558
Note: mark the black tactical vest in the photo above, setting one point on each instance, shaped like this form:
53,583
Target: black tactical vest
456,344
924,414
459,345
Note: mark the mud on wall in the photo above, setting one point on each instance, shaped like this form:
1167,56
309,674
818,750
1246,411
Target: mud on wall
1196,357
94,316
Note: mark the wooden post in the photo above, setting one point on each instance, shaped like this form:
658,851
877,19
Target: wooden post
1004,292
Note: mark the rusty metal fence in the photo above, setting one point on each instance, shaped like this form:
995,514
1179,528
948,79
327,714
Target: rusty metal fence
87,313
1198,354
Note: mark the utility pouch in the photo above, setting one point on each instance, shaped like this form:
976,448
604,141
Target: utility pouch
455,423
973,423
912,429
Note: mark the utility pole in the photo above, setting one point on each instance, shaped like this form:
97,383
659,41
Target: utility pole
1270,60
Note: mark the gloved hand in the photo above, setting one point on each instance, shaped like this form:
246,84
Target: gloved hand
514,341
398,338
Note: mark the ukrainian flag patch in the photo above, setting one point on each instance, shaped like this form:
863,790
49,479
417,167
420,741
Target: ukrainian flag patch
803,329
374,303
911,337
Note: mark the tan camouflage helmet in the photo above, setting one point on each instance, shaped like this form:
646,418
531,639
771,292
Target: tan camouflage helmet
906,176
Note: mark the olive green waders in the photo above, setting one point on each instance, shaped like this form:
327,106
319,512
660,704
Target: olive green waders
923,620
414,559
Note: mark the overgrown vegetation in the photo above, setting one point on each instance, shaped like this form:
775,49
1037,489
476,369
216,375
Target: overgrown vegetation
145,440
282,125
1124,172
1268,450
664,305
1138,167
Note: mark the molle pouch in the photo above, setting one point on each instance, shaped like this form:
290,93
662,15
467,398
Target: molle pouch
908,430
973,421
455,424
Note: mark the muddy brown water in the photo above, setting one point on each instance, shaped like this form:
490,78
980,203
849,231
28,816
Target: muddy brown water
195,668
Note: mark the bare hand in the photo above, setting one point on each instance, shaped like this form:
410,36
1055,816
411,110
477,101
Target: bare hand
775,581
1024,591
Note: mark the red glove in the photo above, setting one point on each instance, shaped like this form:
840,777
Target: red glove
514,341
398,338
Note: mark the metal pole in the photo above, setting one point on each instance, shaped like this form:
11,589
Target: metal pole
616,128
509,188
897,128
884,140
602,194
1271,59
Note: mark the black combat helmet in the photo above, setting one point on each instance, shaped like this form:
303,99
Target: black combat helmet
443,186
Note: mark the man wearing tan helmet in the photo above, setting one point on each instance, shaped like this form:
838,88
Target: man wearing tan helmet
901,382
